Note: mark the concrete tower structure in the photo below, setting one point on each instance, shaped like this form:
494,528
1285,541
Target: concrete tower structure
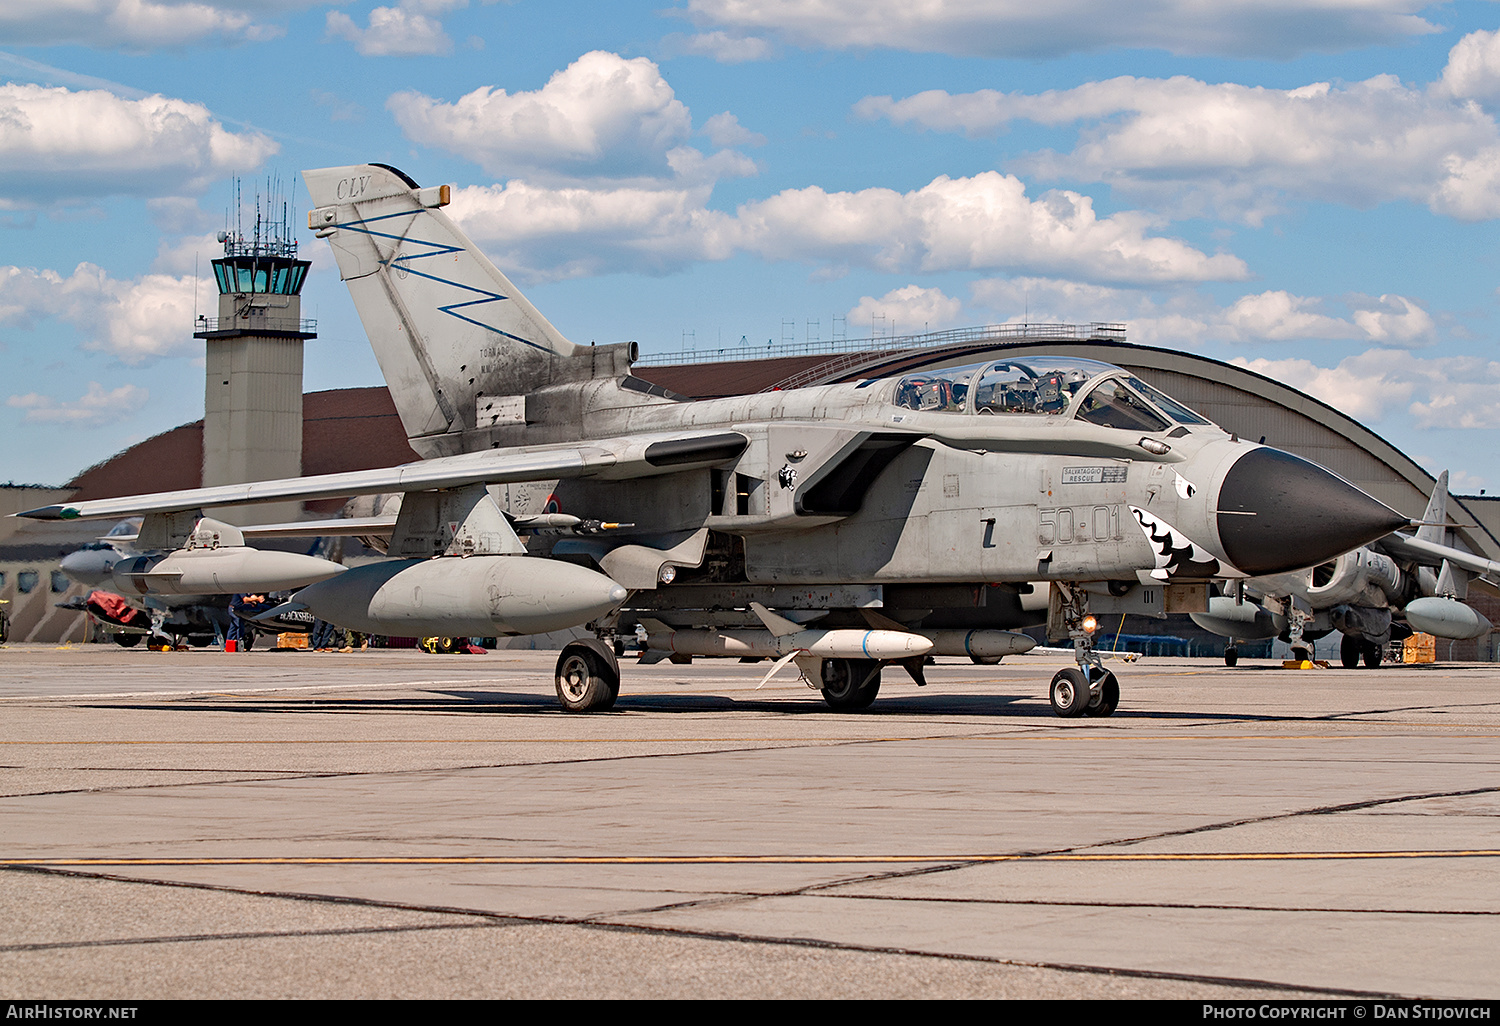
252,400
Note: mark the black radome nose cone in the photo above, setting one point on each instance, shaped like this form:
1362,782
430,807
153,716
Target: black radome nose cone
1278,512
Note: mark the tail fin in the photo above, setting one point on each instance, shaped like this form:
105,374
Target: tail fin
459,346
1433,527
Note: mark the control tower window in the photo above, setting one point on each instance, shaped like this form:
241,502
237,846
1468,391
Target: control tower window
260,274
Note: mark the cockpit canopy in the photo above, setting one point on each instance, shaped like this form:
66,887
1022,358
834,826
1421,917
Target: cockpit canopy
1094,392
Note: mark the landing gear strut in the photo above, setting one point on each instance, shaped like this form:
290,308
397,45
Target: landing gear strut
1087,689
1297,617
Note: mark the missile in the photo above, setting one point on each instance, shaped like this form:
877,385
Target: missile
980,645
563,524
453,596
829,643
1446,618
218,571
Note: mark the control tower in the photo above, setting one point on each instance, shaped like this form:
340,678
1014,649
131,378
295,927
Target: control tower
252,400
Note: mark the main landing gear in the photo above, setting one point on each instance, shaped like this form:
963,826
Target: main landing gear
1087,689
1353,648
850,684
588,676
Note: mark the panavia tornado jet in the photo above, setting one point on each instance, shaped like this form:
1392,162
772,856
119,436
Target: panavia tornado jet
847,528
1371,595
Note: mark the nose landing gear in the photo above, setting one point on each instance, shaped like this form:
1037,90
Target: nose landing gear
1087,689
1084,691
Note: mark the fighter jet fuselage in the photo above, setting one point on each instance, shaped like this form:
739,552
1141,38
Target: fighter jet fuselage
914,505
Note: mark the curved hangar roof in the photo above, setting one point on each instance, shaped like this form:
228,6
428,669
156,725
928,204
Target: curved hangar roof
1249,404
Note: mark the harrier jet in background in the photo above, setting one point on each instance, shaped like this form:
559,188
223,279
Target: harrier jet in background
184,591
846,527
1376,593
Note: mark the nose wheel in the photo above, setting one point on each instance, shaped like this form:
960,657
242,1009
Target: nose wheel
1084,691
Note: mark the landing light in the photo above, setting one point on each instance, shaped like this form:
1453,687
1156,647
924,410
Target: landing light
667,574
1089,625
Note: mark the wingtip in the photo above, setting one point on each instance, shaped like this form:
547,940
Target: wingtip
58,512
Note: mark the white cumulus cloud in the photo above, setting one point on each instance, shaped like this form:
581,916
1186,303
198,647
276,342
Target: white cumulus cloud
1364,387
139,24
1190,318
905,311
983,222
1437,392
603,115
1193,147
60,145
1473,68
1020,28
574,231
986,222
95,408
135,320
725,130
401,31
724,47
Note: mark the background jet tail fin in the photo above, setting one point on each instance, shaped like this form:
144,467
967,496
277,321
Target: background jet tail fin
459,346
1437,514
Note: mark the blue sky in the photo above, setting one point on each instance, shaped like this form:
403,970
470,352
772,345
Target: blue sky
1305,186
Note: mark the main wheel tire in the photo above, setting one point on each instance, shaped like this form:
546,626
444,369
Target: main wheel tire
1107,700
850,684
1371,655
1231,655
1349,652
588,677
126,640
1069,692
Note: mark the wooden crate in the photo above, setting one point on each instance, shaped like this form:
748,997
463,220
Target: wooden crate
1419,648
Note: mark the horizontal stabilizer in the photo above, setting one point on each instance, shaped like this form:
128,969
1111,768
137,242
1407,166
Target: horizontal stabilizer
1433,554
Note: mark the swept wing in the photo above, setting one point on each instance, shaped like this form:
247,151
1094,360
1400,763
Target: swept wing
612,458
